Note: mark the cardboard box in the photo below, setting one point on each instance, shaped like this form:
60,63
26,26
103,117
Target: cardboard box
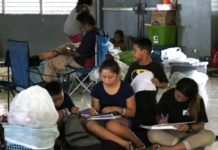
163,21
163,13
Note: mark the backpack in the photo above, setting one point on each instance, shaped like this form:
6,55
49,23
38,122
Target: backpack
76,136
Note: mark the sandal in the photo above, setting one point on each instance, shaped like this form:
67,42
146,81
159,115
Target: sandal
156,147
140,146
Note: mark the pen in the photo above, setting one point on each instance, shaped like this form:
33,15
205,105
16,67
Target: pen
162,116
91,107
167,117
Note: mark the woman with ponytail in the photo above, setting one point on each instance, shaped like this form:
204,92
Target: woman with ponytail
113,95
178,105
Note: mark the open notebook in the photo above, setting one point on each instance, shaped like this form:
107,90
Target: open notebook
164,126
105,116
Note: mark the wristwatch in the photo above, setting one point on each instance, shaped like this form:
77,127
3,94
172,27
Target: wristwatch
190,129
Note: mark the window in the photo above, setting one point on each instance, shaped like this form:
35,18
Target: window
37,6
22,6
1,7
58,6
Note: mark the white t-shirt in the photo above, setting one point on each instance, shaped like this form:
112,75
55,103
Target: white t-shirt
72,26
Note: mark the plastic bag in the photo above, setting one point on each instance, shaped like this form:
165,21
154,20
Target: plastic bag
34,108
95,75
200,78
31,138
173,54
127,57
175,77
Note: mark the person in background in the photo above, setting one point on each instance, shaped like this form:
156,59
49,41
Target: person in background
62,101
79,56
146,103
182,104
72,29
72,26
118,40
113,95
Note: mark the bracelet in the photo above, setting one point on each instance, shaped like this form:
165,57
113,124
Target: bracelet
123,111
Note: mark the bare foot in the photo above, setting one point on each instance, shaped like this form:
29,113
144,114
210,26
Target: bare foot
129,146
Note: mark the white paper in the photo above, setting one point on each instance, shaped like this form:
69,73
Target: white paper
164,126
142,82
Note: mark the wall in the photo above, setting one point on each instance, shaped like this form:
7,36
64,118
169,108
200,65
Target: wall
194,19
42,31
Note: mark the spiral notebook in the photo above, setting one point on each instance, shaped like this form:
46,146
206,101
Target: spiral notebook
105,116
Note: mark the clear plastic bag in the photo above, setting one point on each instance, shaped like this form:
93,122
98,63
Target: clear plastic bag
34,108
200,78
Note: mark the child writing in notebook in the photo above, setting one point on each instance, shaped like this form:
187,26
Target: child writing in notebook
182,104
113,95
62,101
145,100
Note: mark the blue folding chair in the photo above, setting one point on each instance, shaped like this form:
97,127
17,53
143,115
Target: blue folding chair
101,50
21,72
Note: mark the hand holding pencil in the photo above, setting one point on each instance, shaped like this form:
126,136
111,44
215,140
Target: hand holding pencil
164,120
92,111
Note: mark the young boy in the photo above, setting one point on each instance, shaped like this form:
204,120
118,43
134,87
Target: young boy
62,101
145,100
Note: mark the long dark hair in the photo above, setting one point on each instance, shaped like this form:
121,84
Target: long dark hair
87,2
110,64
189,88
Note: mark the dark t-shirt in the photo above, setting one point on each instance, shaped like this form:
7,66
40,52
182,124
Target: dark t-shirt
87,46
119,99
169,105
67,103
155,68
146,100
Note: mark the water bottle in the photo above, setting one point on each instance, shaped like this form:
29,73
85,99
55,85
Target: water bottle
166,60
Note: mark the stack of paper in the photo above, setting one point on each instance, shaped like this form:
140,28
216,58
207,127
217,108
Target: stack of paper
164,126
105,116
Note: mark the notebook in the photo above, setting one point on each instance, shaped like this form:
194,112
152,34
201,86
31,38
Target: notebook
85,112
105,116
164,126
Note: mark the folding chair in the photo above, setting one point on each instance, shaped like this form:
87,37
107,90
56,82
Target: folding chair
19,62
101,50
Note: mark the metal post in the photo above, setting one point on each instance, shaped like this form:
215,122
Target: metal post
3,6
41,6
99,16
140,10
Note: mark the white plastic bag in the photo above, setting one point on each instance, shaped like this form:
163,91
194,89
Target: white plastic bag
173,54
200,78
34,108
175,77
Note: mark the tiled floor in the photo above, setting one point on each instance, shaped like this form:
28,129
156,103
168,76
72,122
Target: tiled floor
210,95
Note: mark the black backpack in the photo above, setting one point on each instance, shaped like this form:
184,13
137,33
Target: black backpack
77,138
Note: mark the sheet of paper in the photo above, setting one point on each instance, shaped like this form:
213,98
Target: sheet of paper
164,126
142,82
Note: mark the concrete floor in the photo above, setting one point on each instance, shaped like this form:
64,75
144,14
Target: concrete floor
210,95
